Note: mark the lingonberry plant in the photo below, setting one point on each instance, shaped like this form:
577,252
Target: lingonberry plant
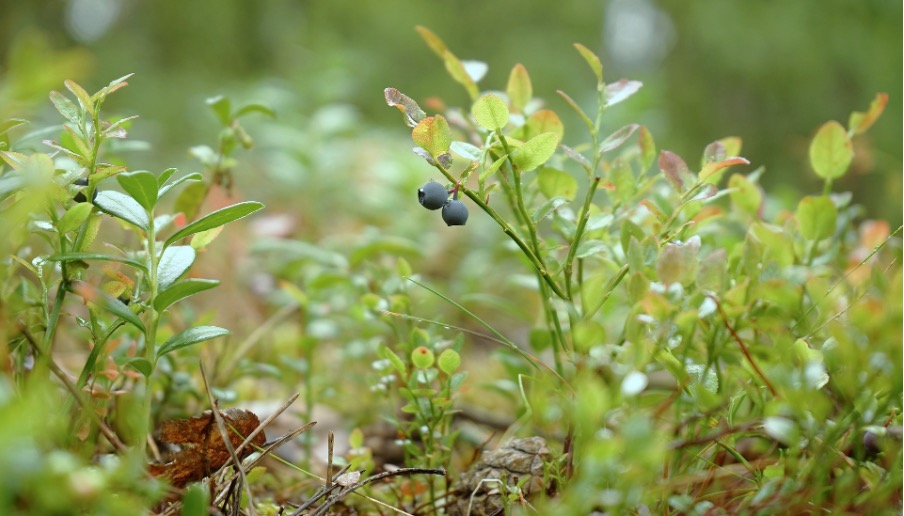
711,347
104,287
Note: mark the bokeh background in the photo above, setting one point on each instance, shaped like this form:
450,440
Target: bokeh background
769,71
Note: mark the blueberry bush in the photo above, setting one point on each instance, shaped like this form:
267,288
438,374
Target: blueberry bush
573,321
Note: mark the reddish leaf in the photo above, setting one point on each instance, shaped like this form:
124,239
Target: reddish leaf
675,169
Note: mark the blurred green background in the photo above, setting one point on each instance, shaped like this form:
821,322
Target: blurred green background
769,71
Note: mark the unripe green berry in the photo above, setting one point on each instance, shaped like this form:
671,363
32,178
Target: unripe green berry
432,195
422,357
455,213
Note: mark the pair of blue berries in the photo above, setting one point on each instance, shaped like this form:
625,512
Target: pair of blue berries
434,196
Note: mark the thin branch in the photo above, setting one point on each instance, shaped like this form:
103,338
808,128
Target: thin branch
743,346
221,425
401,471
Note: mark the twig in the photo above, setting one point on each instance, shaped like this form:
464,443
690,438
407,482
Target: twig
221,425
743,346
401,471
321,492
271,417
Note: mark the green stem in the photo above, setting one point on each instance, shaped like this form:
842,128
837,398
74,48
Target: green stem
150,340
583,217
508,230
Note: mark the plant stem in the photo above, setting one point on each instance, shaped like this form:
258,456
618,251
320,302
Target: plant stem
150,339
508,230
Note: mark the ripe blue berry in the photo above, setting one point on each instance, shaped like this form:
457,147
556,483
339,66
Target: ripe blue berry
432,195
455,213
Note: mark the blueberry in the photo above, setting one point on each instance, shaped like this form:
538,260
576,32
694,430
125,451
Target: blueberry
432,195
455,213
80,196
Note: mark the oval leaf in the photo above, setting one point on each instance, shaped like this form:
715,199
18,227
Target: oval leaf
490,112
174,262
519,89
215,219
179,291
745,194
74,217
535,151
831,151
142,186
433,135
556,183
817,217
675,170
122,207
189,337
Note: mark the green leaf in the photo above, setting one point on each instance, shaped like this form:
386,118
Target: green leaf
83,98
519,89
189,337
255,108
433,135
217,218
860,122
221,107
817,217
490,170
164,177
548,207
556,183
123,207
460,74
535,152
204,238
194,176
142,365
745,194
189,199
490,112
142,186
74,216
179,291
467,151
73,257
174,262
394,359
592,60
647,148
433,41
109,303
831,151
65,106
542,121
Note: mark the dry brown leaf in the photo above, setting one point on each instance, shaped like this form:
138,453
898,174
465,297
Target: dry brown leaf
202,451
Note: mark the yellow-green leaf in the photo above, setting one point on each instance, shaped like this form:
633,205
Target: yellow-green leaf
519,89
490,112
556,183
433,135
831,151
592,60
745,194
74,217
535,151
816,217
